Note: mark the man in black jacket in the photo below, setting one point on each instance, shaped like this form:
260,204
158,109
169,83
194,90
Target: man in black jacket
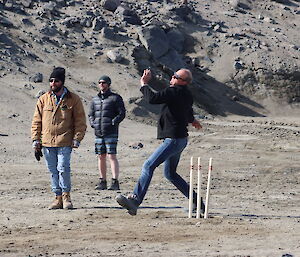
175,115
106,112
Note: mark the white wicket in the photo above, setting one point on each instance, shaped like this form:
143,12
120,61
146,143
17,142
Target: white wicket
190,215
199,189
191,189
208,189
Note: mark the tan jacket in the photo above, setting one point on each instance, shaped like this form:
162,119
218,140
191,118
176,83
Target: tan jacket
57,125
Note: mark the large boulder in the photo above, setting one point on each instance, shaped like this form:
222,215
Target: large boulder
172,60
71,22
98,23
5,22
108,33
176,39
26,3
124,13
110,5
155,40
115,55
49,30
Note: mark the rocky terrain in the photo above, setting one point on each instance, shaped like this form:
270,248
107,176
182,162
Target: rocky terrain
244,55
238,50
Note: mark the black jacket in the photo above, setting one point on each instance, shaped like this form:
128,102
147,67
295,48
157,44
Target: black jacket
106,112
176,110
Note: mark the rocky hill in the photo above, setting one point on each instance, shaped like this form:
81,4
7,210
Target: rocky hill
244,54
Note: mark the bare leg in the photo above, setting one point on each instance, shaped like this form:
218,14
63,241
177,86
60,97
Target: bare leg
102,165
114,164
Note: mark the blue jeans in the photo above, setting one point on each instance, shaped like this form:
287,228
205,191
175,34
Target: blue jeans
58,163
168,153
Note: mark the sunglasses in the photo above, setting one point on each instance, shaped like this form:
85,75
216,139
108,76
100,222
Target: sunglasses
176,76
102,82
54,80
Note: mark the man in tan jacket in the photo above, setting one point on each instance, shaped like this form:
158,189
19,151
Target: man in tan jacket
58,125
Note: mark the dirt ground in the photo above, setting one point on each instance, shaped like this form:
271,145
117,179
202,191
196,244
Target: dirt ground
254,204
255,193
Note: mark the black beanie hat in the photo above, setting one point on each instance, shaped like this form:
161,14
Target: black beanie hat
105,78
58,73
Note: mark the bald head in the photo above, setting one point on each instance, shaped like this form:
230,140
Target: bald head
187,75
181,77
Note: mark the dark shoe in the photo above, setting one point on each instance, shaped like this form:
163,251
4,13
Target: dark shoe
202,208
114,185
130,203
194,210
102,185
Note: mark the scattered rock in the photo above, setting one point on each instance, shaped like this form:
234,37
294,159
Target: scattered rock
235,98
36,78
238,65
136,145
124,13
15,115
27,22
70,22
28,86
108,33
98,23
26,3
5,22
115,55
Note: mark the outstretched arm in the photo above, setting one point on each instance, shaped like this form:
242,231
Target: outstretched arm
150,95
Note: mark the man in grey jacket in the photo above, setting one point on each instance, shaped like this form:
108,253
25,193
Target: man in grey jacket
106,112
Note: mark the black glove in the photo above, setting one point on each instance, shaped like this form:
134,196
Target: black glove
38,154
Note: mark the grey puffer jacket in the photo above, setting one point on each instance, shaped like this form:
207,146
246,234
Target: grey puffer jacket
106,112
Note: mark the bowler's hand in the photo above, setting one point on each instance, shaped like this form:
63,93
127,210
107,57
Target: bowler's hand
196,124
146,77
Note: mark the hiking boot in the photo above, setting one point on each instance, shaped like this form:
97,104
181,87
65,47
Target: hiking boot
67,204
57,203
130,203
102,185
114,185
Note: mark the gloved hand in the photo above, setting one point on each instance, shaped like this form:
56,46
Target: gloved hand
38,154
75,143
36,145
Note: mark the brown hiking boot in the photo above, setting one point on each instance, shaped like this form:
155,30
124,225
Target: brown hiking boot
57,203
67,204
